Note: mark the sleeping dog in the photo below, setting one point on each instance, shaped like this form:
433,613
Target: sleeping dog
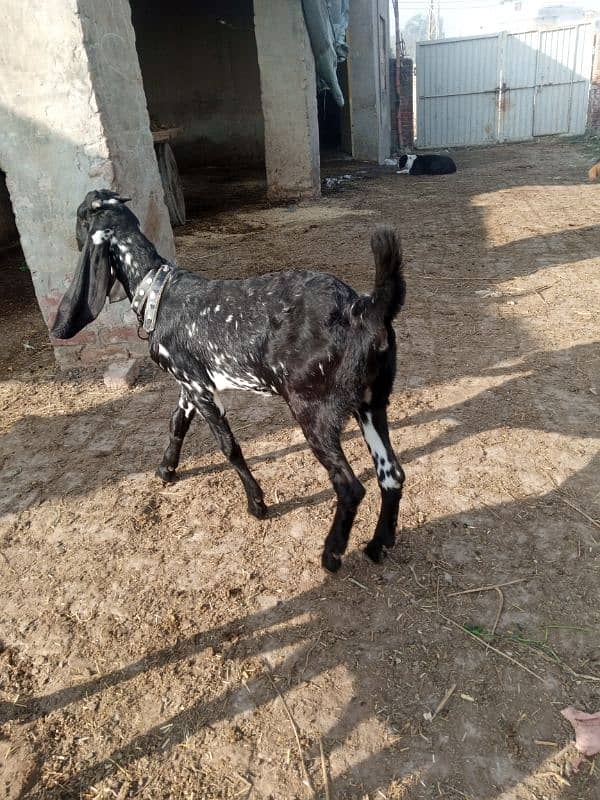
426,165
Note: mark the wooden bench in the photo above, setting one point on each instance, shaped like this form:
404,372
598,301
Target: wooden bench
169,174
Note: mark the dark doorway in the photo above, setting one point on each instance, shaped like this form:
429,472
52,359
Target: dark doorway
334,122
24,336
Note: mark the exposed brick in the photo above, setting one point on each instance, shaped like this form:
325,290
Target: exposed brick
405,102
122,375
87,336
593,119
111,352
67,357
402,113
118,334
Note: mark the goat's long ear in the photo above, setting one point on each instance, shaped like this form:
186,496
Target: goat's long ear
86,295
117,292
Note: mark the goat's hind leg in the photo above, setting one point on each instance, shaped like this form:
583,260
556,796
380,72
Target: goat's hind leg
180,424
390,476
323,436
232,451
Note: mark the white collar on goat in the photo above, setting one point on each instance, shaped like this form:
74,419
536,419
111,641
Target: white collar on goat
148,294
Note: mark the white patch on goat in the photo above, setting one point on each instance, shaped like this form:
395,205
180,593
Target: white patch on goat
229,318
186,407
162,351
223,381
379,453
100,236
217,308
321,368
123,248
128,259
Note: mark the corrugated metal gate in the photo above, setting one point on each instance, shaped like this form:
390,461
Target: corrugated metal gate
503,87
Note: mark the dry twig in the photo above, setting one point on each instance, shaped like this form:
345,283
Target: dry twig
580,511
326,784
412,569
491,587
500,607
307,780
491,647
442,704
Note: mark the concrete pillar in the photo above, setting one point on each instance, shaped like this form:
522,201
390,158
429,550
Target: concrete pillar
73,118
289,100
368,79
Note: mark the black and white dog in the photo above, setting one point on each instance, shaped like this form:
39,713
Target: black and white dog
306,336
426,165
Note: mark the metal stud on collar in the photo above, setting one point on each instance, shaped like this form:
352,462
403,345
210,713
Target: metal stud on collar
136,303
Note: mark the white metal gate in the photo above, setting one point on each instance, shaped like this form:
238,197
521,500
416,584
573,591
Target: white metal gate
503,87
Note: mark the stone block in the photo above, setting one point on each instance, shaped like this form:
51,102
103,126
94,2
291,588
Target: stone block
122,374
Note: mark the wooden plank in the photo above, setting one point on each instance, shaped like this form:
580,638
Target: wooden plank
165,134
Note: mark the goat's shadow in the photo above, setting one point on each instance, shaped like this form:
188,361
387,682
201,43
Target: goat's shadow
96,435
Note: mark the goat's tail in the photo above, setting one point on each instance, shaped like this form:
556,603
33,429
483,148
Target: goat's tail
390,288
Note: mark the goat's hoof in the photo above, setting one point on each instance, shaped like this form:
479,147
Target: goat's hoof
330,561
375,551
257,508
167,475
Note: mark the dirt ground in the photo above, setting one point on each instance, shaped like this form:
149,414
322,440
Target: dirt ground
157,642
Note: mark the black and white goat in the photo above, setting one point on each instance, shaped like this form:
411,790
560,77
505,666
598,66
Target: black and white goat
306,336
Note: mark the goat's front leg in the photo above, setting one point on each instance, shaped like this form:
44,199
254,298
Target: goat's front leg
180,424
390,476
232,451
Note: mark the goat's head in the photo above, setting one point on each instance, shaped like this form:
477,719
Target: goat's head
95,279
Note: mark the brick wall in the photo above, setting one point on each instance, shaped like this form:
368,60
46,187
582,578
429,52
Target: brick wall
393,106
405,110
402,105
593,120
104,340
